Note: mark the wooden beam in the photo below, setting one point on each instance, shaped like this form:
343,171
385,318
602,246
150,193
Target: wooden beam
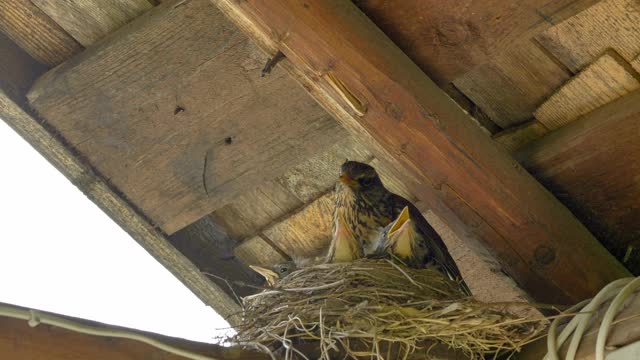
89,21
373,88
14,112
36,33
593,166
210,248
179,118
18,340
447,39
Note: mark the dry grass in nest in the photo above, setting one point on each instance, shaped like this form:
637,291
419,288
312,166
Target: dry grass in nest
371,308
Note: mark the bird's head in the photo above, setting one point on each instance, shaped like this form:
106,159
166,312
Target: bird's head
275,272
360,177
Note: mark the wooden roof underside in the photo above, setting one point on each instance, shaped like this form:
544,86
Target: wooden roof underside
159,114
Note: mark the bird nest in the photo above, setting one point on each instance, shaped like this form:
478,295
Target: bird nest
378,309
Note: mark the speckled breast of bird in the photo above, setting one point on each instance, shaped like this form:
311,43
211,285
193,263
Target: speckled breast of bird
366,220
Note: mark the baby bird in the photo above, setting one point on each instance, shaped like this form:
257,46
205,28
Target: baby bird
369,219
273,274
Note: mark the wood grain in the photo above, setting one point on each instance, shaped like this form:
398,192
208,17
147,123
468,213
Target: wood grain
581,39
513,84
601,82
89,21
514,138
593,166
635,63
36,33
307,233
449,38
433,140
256,251
208,126
18,340
210,248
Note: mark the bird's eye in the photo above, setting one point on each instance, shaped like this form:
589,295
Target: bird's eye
283,270
367,181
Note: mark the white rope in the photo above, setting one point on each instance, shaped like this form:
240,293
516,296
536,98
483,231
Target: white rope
35,318
619,290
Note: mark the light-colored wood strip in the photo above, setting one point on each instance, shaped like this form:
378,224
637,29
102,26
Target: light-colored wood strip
512,85
208,126
635,63
256,251
307,233
516,137
607,79
581,39
36,33
89,21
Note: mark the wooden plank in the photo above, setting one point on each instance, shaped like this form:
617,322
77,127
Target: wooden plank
514,138
307,233
593,167
208,126
98,190
18,340
581,39
210,249
447,39
607,79
635,63
89,21
377,92
513,84
257,251
253,210
36,33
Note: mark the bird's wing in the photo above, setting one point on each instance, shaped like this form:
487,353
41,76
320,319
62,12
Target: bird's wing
434,242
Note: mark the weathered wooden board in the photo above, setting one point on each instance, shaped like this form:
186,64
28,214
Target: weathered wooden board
516,137
210,249
377,92
254,210
307,233
174,112
582,38
317,175
635,63
513,84
448,38
89,21
593,166
18,340
601,82
257,251
36,33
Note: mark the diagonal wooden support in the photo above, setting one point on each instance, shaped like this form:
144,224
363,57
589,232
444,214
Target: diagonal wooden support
375,90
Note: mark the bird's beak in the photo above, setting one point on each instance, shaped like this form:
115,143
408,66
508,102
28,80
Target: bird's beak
402,219
269,275
347,180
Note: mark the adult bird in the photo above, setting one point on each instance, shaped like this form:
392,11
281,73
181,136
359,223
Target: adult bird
363,217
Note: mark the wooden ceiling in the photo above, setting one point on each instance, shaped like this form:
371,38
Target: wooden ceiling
165,105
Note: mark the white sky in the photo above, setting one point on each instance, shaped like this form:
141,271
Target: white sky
59,252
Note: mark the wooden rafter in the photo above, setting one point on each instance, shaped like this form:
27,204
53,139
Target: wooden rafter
371,86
